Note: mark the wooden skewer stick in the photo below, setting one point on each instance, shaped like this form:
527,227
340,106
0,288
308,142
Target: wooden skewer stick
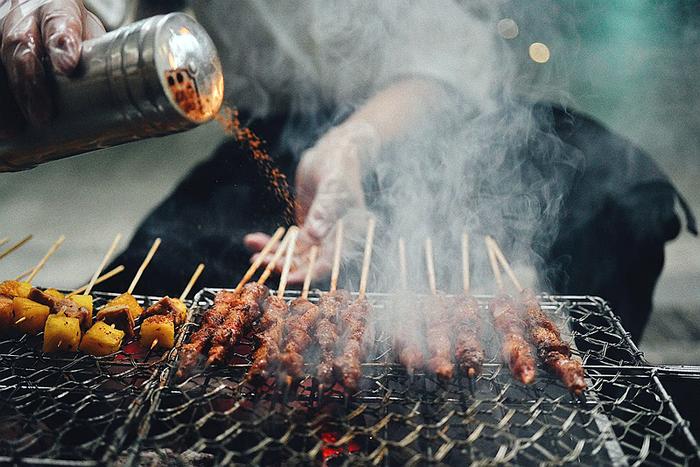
504,262
335,271
494,266
465,263
430,263
144,265
403,268
193,280
278,254
102,278
102,265
58,346
4,240
24,274
56,245
20,320
16,246
291,244
261,257
367,258
153,345
309,274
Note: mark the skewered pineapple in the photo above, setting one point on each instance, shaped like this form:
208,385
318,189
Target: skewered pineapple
29,316
7,315
14,289
129,301
158,328
101,339
61,334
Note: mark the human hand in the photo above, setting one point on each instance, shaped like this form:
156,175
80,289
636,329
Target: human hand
37,37
328,186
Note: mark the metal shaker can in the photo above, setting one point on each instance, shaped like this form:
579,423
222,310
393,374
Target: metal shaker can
154,77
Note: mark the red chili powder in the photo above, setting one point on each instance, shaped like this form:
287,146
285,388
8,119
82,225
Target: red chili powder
229,120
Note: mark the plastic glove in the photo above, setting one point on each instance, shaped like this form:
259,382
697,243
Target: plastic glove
36,35
328,186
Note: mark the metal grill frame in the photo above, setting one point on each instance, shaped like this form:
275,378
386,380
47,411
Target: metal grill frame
614,360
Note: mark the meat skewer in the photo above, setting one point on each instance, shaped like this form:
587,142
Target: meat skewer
330,306
469,352
510,327
224,302
303,316
275,310
555,353
246,312
438,325
348,366
408,336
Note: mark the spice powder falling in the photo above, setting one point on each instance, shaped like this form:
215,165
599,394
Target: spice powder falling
229,119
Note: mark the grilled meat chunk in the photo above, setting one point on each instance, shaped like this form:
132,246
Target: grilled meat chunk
514,346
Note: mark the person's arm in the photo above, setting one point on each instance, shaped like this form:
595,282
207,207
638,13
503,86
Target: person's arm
329,175
32,39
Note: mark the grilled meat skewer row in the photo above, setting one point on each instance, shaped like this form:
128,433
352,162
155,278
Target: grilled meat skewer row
198,346
299,326
514,346
272,327
347,365
438,331
245,311
468,349
555,353
331,305
63,306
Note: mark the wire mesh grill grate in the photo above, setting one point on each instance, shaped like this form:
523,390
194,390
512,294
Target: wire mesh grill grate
129,409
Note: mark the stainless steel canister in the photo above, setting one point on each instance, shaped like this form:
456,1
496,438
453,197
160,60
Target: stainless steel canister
154,77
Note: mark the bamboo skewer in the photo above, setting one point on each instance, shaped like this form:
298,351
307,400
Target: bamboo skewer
102,265
16,246
144,265
278,254
4,240
56,245
494,266
504,262
309,274
465,263
195,275
102,278
430,263
261,257
335,271
403,268
291,245
367,257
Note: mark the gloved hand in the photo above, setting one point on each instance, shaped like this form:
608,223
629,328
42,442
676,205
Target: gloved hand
328,186
37,35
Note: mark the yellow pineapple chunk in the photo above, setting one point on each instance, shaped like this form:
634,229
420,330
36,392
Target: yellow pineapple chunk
30,316
84,301
14,289
7,315
158,327
101,339
61,334
54,293
130,302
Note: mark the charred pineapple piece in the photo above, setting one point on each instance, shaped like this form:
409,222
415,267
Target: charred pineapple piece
30,317
55,294
119,316
101,339
167,306
61,334
14,289
160,328
129,301
7,315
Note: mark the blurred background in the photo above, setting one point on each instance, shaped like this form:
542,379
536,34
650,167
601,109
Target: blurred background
633,65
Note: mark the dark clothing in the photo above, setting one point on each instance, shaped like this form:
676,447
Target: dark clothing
618,212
